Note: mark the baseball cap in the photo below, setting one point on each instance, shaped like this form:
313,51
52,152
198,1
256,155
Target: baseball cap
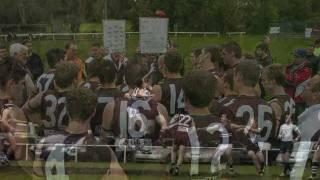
300,53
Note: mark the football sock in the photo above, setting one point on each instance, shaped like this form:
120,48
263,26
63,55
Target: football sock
314,169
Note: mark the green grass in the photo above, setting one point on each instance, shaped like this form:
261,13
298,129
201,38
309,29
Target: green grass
280,47
146,171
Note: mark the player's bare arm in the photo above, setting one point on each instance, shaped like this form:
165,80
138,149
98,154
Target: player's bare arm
157,93
163,117
277,112
107,117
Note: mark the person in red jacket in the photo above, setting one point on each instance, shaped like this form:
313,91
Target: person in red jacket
297,74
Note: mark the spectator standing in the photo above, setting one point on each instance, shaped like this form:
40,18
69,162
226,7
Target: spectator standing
312,60
96,53
316,51
296,75
120,62
34,62
72,55
19,54
231,54
263,55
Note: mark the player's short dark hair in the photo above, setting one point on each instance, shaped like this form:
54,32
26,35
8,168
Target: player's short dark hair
199,87
248,56
26,41
173,62
93,68
264,47
275,72
233,46
67,46
215,52
228,78
134,74
54,56
107,72
66,73
250,72
196,52
81,104
10,70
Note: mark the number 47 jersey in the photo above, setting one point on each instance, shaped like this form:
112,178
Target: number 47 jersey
65,155
251,112
45,81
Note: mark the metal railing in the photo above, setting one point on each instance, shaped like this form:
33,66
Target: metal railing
75,36
236,33
125,149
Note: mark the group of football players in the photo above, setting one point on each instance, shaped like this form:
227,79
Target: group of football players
213,108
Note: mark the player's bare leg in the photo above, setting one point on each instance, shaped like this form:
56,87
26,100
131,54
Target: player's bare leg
181,153
261,160
173,158
285,162
182,150
255,160
230,160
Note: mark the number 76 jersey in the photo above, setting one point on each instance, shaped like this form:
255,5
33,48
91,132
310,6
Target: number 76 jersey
249,112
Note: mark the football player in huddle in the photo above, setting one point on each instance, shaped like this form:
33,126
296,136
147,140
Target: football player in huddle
45,81
199,87
134,117
52,104
280,102
228,93
61,155
249,115
210,60
309,120
135,121
106,93
315,160
231,54
169,92
93,81
216,106
13,122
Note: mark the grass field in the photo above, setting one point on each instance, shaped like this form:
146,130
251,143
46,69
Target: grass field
280,47
146,171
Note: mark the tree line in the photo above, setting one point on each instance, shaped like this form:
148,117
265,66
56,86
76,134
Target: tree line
185,15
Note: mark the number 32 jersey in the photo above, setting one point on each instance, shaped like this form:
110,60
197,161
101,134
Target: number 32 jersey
54,112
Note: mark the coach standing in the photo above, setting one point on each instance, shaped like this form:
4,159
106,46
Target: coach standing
296,74
19,54
34,62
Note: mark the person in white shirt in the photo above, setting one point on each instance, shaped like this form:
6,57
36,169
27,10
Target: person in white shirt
286,136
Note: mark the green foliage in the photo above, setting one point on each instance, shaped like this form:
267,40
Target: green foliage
185,15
